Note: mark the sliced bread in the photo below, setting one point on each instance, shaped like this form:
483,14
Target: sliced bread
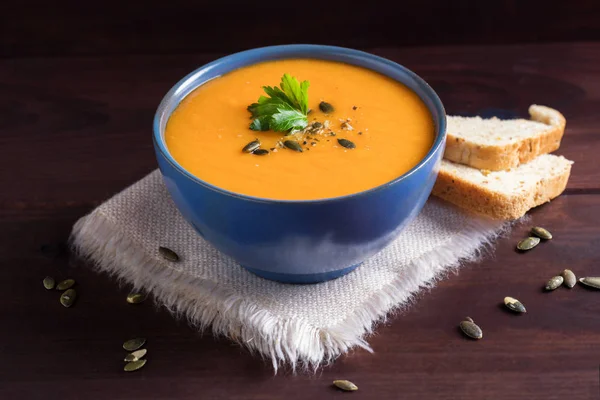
503,194
496,144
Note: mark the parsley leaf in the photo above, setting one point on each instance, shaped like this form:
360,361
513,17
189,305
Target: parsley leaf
285,109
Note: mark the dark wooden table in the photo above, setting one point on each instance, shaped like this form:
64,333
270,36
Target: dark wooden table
73,131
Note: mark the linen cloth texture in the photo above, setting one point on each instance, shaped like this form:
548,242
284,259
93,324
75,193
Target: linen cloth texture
303,326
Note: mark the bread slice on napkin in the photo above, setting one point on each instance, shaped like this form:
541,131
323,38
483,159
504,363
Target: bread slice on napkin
503,194
496,144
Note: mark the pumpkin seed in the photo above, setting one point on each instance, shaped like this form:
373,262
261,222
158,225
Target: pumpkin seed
471,329
541,233
250,147
317,125
514,305
554,283
136,355
134,344
66,284
293,145
345,385
135,298
68,297
346,143
168,254
528,243
326,107
260,152
48,282
134,365
469,319
591,282
570,279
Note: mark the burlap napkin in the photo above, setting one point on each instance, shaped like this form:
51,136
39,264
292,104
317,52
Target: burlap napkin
303,325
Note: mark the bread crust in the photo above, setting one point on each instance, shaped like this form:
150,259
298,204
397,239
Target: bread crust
481,200
497,158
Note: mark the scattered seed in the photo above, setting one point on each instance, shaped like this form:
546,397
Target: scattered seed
317,125
541,233
570,279
554,283
346,143
469,319
326,107
360,133
49,282
345,385
293,145
354,108
250,147
134,344
260,152
528,243
136,355
591,282
471,329
134,365
66,284
514,305
168,254
135,298
68,297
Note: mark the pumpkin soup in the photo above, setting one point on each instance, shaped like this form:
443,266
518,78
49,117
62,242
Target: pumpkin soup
342,130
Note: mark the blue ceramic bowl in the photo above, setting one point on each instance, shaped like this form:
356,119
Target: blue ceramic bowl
300,241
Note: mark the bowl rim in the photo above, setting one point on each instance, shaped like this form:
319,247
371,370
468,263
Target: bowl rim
158,136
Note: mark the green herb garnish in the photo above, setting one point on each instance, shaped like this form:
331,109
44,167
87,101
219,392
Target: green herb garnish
286,108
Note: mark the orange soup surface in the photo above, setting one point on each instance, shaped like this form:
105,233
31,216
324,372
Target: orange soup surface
390,126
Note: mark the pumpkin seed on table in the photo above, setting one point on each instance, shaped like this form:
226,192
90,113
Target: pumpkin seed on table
345,385
554,282
293,145
136,355
326,107
135,298
252,146
470,329
134,344
66,284
591,281
48,282
569,278
346,143
134,365
260,152
514,305
168,254
528,243
67,299
541,233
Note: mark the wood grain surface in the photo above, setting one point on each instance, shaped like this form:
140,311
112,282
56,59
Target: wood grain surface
73,131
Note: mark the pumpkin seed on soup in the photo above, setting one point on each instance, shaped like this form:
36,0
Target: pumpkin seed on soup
569,278
591,281
528,243
48,282
134,344
293,145
260,152
514,305
326,107
470,329
136,355
345,385
68,298
554,282
541,233
168,254
134,365
66,284
346,143
252,146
